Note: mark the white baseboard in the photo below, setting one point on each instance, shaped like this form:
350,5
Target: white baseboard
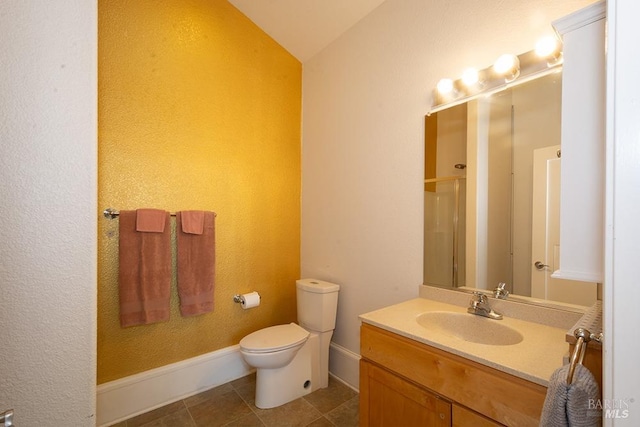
134,395
345,365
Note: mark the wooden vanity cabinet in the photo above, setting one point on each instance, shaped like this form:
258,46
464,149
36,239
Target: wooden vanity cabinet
407,383
463,417
391,400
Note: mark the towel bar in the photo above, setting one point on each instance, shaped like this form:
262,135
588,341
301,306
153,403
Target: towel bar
111,213
6,418
583,336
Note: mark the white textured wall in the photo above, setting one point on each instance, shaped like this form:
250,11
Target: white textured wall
48,211
364,101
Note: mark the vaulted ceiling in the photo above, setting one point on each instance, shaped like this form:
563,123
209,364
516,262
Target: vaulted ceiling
305,27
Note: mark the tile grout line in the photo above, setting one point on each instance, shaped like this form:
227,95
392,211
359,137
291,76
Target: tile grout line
189,412
235,390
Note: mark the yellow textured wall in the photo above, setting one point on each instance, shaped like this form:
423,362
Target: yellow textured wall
198,109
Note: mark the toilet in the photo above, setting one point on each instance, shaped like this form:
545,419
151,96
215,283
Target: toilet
293,360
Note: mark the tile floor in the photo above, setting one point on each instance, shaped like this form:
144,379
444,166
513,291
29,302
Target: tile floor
232,405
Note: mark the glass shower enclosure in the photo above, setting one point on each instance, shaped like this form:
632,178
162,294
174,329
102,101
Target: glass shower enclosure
444,228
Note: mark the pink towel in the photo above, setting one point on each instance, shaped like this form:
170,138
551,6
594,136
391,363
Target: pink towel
192,221
196,263
144,277
150,220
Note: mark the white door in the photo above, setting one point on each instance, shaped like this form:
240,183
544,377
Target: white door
545,238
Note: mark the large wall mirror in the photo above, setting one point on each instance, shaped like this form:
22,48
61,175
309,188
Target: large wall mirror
492,195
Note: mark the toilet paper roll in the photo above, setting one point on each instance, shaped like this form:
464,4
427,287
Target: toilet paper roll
250,300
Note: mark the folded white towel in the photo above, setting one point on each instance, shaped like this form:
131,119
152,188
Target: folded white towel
569,405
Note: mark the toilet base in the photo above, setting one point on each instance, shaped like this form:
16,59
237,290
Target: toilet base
275,387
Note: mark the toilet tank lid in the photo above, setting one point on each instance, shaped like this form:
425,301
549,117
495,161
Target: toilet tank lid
317,286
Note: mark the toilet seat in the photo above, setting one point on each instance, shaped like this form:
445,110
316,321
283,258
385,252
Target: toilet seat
274,338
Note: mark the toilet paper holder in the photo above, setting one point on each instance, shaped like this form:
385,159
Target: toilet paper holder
240,299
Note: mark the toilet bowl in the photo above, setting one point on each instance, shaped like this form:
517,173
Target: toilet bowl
293,360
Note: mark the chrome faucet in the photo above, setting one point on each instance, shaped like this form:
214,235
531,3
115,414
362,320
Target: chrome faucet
479,305
500,291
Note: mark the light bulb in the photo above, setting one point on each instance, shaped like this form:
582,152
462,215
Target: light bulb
445,86
470,77
507,65
547,46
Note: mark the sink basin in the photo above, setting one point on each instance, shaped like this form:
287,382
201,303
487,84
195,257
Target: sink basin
469,327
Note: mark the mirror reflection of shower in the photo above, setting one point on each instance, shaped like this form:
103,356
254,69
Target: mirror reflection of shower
444,228
445,194
469,195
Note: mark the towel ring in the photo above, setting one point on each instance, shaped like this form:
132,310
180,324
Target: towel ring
583,336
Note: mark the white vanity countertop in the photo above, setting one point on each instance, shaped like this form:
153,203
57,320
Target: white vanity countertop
540,352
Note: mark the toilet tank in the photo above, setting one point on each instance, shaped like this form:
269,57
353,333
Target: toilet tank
317,304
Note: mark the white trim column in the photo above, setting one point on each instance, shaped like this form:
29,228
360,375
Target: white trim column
622,220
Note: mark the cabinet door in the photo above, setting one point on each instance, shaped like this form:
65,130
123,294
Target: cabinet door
389,400
463,417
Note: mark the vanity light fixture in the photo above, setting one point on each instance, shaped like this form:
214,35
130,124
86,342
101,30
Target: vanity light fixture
507,65
507,71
